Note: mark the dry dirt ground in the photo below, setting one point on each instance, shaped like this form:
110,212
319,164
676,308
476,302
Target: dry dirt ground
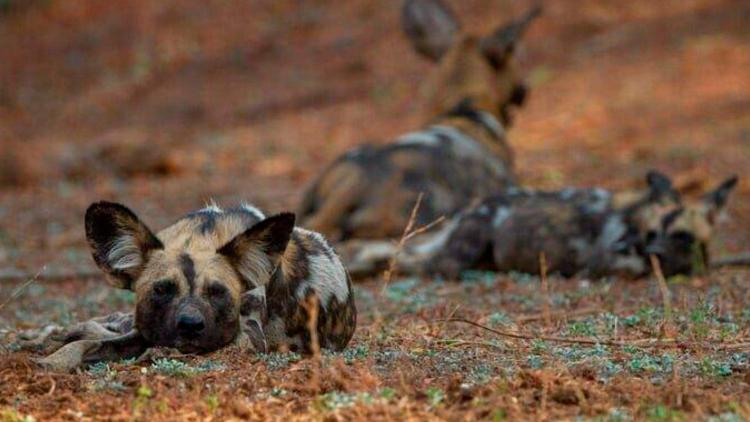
165,105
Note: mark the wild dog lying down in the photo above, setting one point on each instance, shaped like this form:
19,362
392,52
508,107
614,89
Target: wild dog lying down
682,239
580,231
212,278
461,155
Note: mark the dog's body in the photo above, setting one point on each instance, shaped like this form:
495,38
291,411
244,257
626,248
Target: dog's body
580,231
210,279
461,155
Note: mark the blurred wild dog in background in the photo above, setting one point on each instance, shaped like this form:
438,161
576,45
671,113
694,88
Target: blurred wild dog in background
590,232
461,155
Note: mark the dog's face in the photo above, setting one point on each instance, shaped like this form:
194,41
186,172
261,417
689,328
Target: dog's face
681,243
188,278
480,69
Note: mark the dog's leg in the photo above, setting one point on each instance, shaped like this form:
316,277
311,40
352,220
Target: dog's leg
253,317
77,353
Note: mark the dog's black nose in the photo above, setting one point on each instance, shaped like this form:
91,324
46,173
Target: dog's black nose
190,325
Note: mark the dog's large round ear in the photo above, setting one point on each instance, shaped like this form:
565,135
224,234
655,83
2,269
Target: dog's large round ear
256,252
658,181
120,243
500,44
717,198
430,25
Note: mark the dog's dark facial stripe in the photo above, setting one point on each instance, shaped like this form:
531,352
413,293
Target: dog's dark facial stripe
670,218
188,270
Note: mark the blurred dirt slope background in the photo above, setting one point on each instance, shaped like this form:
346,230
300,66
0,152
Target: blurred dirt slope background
164,105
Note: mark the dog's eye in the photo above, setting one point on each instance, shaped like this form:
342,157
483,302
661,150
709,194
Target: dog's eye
216,291
165,288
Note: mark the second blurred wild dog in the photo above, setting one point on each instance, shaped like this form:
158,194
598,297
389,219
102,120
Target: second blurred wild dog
591,232
461,155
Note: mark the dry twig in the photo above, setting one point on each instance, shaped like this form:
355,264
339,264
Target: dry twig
646,343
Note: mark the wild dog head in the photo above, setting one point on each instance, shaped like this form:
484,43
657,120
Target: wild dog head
474,68
189,277
681,243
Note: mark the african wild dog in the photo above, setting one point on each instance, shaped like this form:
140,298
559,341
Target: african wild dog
681,241
580,231
461,155
216,275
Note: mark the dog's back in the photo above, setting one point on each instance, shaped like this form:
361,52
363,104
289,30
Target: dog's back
461,155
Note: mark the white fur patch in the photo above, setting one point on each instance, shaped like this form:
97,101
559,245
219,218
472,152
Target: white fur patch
327,279
612,232
253,210
123,253
212,206
255,266
460,144
426,138
492,124
434,241
501,215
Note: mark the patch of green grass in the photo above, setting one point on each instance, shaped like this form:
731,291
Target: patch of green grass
352,353
276,361
435,396
499,318
650,363
179,369
582,328
337,400
12,415
714,368
212,401
535,361
663,413
726,417
387,393
106,377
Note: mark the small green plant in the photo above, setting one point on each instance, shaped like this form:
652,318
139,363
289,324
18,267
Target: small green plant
387,393
499,318
173,368
276,360
661,413
535,361
700,318
337,400
212,401
142,396
179,369
435,396
12,415
582,329
713,368
538,346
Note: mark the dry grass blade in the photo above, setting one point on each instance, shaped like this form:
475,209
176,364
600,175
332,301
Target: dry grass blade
545,290
21,288
408,233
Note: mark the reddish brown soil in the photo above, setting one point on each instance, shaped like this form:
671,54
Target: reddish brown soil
165,105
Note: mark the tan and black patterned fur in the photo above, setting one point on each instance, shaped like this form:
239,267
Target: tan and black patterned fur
682,239
461,154
216,275
580,231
